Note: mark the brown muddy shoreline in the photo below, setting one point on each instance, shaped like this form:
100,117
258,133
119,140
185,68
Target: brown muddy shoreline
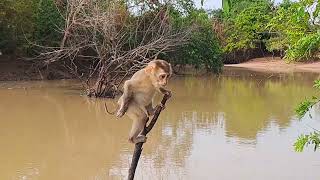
276,64
14,69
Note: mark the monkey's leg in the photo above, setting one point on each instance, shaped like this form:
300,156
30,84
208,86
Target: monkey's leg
126,97
137,127
150,109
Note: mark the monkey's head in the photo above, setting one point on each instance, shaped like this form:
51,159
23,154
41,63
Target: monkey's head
159,72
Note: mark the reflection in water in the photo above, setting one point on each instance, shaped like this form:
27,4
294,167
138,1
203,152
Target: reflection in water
240,124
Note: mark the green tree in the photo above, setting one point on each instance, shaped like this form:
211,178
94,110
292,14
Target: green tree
244,25
16,24
22,22
292,31
226,6
291,28
203,49
48,24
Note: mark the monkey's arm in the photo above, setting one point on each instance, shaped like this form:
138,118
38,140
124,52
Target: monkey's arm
126,97
152,110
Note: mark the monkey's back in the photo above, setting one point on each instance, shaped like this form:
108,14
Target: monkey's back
142,92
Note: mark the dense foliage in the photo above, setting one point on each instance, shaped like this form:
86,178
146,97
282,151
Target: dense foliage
295,33
15,22
243,28
48,24
314,137
291,28
25,22
203,49
26,25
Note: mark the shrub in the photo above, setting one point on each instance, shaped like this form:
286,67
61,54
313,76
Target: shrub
22,22
244,26
314,137
203,49
305,48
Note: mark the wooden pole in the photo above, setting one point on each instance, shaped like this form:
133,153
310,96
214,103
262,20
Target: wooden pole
138,146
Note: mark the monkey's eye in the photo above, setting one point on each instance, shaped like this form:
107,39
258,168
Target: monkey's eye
162,76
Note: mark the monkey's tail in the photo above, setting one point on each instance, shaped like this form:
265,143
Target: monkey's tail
106,108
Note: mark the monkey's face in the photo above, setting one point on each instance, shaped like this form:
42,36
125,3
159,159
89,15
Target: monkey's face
160,72
163,79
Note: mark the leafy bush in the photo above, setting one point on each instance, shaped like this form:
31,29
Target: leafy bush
290,27
48,25
289,24
293,32
305,140
16,23
203,49
306,47
23,21
314,137
244,25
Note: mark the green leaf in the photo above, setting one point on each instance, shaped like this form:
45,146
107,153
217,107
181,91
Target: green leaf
317,84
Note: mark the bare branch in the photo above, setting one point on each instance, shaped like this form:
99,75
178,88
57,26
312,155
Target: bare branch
103,42
146,130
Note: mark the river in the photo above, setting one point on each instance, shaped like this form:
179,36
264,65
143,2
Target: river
240,125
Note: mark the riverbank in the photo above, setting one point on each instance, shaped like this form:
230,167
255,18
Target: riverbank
12,69
276,64
15,69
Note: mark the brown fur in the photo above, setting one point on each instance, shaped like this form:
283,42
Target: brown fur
136,101
163,65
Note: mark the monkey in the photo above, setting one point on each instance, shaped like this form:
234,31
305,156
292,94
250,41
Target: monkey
138,92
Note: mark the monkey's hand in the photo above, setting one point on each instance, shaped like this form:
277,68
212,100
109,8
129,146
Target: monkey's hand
166,92
151,112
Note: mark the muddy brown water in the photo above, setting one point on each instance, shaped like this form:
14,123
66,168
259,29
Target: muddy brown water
240,125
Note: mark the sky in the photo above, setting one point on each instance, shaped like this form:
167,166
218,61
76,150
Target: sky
215,4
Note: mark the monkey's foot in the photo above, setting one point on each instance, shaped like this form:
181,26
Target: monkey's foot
151,113
138,139
162,106
141,138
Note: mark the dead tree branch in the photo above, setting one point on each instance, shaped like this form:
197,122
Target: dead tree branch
146,130
105,41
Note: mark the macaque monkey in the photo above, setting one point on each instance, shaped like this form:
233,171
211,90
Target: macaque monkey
138,93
